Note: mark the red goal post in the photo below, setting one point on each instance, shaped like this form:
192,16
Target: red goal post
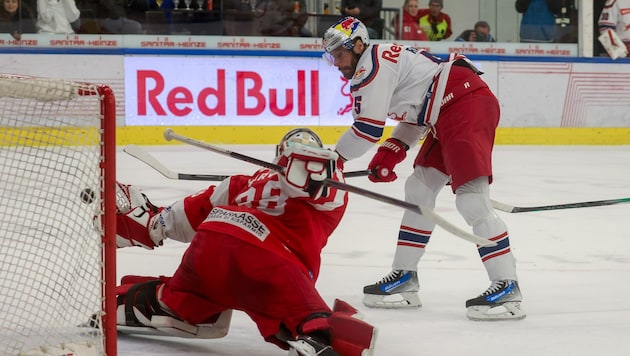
57,251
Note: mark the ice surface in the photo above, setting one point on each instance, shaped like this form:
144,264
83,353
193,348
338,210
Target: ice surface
573,264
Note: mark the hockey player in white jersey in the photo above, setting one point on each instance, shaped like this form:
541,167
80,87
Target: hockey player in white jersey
448,100
614,26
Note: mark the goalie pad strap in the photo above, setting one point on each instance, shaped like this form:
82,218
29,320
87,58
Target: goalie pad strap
144,293
313,323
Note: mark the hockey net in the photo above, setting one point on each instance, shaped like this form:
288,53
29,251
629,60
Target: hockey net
57,252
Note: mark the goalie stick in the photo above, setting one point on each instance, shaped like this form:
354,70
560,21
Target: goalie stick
169,135
147,158
526,209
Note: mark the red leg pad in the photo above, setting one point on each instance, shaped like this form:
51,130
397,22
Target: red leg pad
350,336
128,281
343,307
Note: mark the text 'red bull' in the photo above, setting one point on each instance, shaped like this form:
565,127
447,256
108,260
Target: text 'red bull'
180,101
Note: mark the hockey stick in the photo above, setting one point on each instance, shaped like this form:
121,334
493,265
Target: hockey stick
526,209
169,134
151,161
439,220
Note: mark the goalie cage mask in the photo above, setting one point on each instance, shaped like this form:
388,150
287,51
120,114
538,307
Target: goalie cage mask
300,135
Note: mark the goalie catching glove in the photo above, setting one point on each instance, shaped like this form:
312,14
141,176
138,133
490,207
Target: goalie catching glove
388,155
306,169
135,218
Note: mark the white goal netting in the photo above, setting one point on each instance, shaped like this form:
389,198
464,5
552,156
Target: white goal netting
52,265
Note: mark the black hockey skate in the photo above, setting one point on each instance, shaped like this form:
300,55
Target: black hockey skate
399,289
501,301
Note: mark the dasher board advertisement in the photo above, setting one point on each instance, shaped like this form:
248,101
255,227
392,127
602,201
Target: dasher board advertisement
235,91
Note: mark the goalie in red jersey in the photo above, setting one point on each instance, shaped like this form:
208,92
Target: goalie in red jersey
255,245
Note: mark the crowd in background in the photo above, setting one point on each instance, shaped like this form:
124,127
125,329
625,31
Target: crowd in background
542,21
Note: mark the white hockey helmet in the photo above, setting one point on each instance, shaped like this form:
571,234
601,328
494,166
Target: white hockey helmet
344,33
300,135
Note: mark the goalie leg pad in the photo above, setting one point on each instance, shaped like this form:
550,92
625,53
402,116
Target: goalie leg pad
140,312
350,336
139,304
174,327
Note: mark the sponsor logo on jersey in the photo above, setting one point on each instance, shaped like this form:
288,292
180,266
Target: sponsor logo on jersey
359,73
243,220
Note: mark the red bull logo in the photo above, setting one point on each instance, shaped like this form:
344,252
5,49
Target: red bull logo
347,25
359,73
159,96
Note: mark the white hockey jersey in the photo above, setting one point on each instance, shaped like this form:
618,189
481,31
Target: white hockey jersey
396,82
616,16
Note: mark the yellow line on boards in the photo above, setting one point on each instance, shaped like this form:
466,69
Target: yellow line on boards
153,135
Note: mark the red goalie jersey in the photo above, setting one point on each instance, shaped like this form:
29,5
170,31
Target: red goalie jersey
224,266
258,210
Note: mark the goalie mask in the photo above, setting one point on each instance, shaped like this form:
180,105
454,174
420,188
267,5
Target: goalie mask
307,164
300,135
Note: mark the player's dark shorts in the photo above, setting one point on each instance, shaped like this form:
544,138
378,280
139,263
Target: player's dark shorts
464,133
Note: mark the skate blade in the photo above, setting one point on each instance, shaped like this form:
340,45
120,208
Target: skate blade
393,301
505,311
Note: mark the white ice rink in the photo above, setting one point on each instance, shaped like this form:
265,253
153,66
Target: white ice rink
573,264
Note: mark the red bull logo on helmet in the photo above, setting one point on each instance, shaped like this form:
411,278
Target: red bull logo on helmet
347,25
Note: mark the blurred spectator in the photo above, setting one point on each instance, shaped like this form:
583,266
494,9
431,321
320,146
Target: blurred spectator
238,17
435,23
369,12
16,18
615,16
281,18
411,23
538,23
57,16
112,18
480,33
566,20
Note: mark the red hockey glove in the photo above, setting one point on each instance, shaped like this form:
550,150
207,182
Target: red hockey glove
391,152
134,213
134,228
